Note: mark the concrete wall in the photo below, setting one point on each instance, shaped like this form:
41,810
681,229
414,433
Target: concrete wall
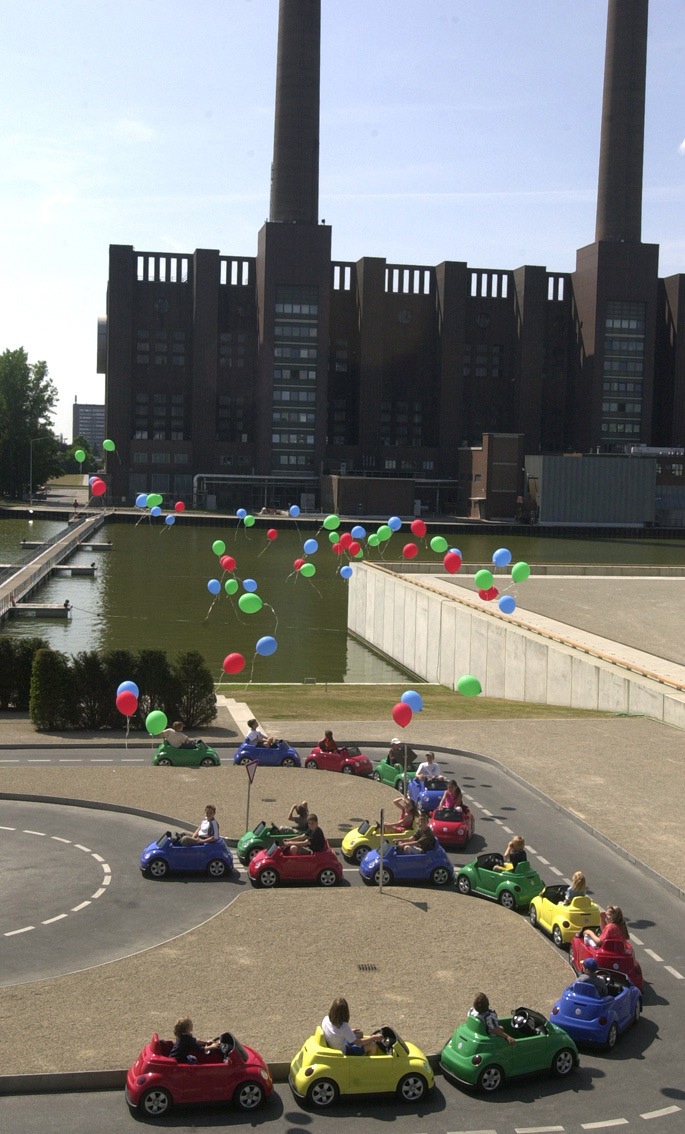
440,639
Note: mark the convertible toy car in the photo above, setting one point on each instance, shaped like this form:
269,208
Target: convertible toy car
392,774
349,760
155,1081
477,1059
319,1074
453,828
279,755
366,837
427,793
431,866
617,956
598,1015
562,922
261,837
513,889
166,856
201,757
275,865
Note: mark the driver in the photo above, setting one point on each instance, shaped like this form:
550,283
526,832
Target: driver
176,737
589,974
186,1048
339,1035
207,832
515,852
481,1009
428,769
257,737
311,843
420,842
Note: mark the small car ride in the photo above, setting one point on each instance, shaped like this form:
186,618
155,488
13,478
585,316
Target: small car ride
279,755
617,956
429,866
167,856
261,837
320,1074
366,837
598,1013
201,756
453,827
231,1073
477,1059
349,760
427,793
562,922
513,889
390,773
277,864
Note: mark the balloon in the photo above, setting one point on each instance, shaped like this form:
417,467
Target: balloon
129,687
293,510
154,499
346,539
469,686
79,455
233,663
520,572
507,604
179,506
360,553
483,579
418,528
410,550
250,603
227,562
384,532
346,571
373,540
214,586
457,552
98,487
337,547
332,537
218,547
402,714
249,521
501,557
250,585
156,721
156,511
91,480
127,703
394,523
354,548
310,546
358,532
241,513
489,594
413,699
438,543
231,586
170,520
266,646
307,569
297,564
108,445
331,522
141,500
452,562
272,534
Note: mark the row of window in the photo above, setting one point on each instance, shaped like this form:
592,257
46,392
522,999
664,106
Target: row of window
625,346
298,331
296,308
621,427
294,396
292,438
158,435
291,374
161,458
622,387
622,407
300,460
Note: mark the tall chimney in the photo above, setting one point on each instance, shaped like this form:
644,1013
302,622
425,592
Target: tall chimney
619,195
295,168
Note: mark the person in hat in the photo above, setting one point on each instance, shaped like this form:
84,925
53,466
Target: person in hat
395,754
589,974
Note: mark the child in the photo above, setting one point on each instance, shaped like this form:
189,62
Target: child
576,889
186,1048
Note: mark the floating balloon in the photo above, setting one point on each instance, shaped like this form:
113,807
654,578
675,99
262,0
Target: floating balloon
98,487
310,546
79,455
483,579
402,714
331,522
127,703
298,563
358,532
307,569
218,547
520,572
250,585
418,528
507,604
272,534
488,595
501,557
231,586
439,544
346,539
353,547
394,523
91,480
154,499
346,571
469,686
337,547
413,699
384,533
179,506
129,687
293,511
108,445
233,663
241,513
373,540
214,586
249,521
141,500
170,520
266,646
156,722
360,553
156,511
457,552
250,603
332,537
452,562
227,562
410,551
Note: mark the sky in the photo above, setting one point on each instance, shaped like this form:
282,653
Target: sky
450,130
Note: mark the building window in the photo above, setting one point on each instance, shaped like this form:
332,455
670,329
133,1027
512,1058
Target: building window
140,458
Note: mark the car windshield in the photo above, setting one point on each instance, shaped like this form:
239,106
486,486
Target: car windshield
162,839
272,849
363,827
259,828
241,1050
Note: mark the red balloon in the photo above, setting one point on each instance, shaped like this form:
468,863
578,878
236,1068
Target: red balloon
354,548
402,714
127,702
452,562
272,534
297,563
179,506
227,562
98,487
233,663
338,548
418,528
489,595
410,550
345,539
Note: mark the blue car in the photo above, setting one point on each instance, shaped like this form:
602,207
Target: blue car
167,856
431,866
427,793
279,755
597,1014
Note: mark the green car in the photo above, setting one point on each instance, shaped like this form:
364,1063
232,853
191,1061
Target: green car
201,757
261,837
513,889
479,1060
393,774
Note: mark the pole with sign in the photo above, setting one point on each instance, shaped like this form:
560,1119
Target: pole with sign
380,853
250,768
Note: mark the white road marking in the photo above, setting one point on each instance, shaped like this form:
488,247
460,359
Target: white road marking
82,906
635,939
532,849
605,1124
674,972
14,932
538,1129
132,760
5,760
59,839
8,828
508,830
485,811
79,846
97,894
471,1132
106,869
555,871
544,861
97,857
37,760
661,1113
653,955
102,760
27,832
70,760
50,920
106,880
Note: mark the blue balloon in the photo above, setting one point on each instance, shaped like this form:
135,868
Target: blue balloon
413,699
394,523
128,687
507,604
249,585
266,646
358,532
346,571
156,511
214,586
294,510
456,551
141,500
91,479
241,513
310,546
501,557
169,520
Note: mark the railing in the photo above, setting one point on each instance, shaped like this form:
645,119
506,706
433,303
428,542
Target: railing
19,580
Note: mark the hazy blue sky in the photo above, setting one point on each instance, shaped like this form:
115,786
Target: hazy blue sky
450,130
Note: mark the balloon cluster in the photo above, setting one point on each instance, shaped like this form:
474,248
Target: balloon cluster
153,501
127,698
409,703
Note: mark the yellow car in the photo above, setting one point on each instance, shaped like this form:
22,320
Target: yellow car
366,837
562,922
319,1074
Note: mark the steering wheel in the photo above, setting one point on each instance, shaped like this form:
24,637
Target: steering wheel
519,1019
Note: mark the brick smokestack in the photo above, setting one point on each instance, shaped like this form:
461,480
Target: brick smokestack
295,168
619,195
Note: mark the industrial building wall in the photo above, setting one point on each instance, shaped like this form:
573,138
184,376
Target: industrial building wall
591,489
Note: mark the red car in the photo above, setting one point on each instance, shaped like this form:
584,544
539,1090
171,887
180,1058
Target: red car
349,760
232,1072
618,955
453,828
277,864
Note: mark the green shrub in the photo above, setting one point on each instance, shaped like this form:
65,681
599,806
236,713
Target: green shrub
16,661
52,702
195,699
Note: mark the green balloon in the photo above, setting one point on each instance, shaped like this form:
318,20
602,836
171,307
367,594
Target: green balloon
231,586
250,603
469,686
218,547
108,445
520,571
483,579
249,521
331,523
79,455
439,543
154,500
307,569
332,537
156,722
373,540
360,554
384,532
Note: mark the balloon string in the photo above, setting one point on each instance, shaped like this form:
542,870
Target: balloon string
211,608
269,607
311,584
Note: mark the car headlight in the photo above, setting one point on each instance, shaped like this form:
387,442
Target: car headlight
264,1074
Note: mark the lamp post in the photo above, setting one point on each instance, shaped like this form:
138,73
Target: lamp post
31,443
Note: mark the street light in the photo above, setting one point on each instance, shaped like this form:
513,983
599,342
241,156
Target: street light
31,443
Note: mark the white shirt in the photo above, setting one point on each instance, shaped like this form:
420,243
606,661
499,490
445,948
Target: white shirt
174,738
337,1037
209,828
254,735
430,771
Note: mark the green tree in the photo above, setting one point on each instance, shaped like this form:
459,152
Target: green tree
92,688
196,699
16,661
27,442
157,684
53,703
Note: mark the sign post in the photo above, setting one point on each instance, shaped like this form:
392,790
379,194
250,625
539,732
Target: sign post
380,853
250,768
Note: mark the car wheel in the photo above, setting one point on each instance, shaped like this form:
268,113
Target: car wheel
253,852
216,868
158,868
558,937
377,776
347,770
532,916
387,877
268,878
359,852
563,1062
155,1102
491,1078
411,1088
287,762
612,1036
245,760
207,762
323,1093
507,899
311,764
248,1096
327,877
638,1011
164,762
399,784
463,884
440,876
